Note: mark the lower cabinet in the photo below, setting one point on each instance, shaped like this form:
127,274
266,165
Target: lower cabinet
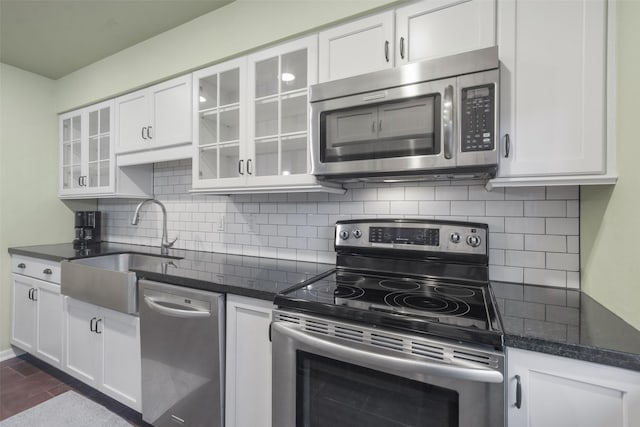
561,392
36,322
102,349
248,371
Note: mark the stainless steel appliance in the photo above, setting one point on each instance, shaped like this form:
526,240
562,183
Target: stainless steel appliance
182,340
435,119
403,332
88,228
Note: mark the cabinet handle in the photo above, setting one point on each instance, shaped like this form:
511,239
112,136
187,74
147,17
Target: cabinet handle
518,392
97,323
30,295
143,129
507,145
240,167
149,132
386,50
47,271
34,294
91,328
80,181
249,169
22,265
373,126
402,47
380,125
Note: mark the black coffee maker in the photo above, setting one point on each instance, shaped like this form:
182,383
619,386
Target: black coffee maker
88,229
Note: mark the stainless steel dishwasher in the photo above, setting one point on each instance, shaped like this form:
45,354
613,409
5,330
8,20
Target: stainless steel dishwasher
182,337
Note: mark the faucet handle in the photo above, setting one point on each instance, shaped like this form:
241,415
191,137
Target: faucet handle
169,244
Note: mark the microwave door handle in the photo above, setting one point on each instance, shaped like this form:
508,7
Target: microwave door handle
447,122
398,364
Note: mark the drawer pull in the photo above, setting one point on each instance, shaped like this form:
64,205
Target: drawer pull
47,271
22,265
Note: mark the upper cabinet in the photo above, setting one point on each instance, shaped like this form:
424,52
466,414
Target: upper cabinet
554,93
422,30
154,124
251,122
87,160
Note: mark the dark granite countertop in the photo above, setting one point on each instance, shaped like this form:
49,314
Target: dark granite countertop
253,277
565,322
557,321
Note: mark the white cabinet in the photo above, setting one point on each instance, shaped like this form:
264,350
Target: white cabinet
357,47
248,370
154,124
36,322
424,30
561,392
102,349
554,92
251,122
87,160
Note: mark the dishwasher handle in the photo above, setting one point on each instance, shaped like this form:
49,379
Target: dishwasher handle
186,312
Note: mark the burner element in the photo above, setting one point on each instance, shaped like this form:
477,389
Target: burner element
347,292
455,291
428,303
399,285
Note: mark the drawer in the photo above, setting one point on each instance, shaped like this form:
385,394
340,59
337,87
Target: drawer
38,268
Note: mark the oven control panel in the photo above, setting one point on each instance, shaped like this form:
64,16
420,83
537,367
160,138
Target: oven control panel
428,236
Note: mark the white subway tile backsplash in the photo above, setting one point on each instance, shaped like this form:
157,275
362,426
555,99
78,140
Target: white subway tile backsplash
566,226
533,232
545,243
504,208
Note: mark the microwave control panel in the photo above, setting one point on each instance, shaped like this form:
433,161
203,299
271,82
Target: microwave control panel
478,118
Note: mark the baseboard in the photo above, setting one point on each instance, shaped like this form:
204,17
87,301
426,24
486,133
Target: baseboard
10,353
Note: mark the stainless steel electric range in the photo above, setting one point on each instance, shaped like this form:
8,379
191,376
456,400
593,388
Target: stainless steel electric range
403,332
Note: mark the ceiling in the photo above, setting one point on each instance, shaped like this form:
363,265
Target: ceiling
56,37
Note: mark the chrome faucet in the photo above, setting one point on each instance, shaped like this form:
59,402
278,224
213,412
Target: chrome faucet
165,244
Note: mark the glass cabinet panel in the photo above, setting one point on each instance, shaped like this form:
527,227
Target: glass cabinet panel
72,152
99,149
280,119
220,124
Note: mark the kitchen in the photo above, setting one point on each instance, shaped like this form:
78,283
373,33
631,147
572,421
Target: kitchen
559,236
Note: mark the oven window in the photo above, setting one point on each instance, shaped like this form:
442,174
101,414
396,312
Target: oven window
331,393
392,129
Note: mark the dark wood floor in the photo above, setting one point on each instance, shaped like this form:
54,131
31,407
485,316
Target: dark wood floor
26,382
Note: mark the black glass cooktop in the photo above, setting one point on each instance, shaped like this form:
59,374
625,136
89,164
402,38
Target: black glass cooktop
446,308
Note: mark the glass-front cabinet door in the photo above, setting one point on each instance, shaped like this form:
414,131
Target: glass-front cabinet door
279,79
219,125
86,144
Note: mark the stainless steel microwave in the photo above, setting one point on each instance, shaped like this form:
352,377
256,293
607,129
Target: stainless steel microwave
430,119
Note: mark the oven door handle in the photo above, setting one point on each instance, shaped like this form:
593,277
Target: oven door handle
397,364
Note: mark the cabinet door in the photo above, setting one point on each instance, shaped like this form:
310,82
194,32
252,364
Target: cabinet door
560,392
219,126
71,152
132,116
49,323
100,159
435,28
278,113
248,371
23,322
553,86
81,344
170,122
120,370
357,47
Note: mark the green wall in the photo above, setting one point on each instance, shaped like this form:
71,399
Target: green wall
609,229
30,212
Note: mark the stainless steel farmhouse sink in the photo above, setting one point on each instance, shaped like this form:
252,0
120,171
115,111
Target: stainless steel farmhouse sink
107,280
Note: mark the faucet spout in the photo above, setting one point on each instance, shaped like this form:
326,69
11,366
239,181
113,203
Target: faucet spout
164,244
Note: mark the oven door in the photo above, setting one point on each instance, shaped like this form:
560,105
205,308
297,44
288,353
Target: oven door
400,129
323,380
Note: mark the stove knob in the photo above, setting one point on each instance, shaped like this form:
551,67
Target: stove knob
357,233
344,234
473,241
454,237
